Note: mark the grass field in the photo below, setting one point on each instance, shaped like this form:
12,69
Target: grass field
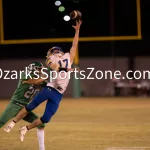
89,124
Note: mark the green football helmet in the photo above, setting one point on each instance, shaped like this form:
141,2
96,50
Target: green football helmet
35,66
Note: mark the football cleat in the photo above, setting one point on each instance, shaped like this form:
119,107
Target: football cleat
9,126
22,132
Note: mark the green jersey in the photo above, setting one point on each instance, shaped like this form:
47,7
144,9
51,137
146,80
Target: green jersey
25,92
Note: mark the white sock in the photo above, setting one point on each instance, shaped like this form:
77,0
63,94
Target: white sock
40,135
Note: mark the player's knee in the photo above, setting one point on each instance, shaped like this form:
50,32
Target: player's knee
27,108
45,119
49,112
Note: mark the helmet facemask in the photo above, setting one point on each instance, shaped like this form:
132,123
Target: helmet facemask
58,53
55,51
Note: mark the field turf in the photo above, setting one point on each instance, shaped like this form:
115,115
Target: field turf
89,124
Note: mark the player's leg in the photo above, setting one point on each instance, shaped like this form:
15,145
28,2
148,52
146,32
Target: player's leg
52,105
10,112
40,135
37,100
50,110
40,129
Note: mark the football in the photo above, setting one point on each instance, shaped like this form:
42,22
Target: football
75,15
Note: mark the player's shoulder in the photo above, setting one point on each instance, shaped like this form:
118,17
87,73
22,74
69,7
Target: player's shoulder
67,54
50,59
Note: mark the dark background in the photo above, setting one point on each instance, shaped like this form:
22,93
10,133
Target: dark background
41,19
28,19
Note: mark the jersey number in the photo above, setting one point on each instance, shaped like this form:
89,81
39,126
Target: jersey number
63,61
31,93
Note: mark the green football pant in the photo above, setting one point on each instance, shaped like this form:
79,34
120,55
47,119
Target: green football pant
12,110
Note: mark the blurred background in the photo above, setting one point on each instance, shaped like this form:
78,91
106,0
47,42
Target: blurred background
114,36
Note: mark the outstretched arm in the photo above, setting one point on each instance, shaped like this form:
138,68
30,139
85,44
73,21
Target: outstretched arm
75,41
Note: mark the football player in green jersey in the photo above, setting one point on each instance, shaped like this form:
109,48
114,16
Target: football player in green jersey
25,91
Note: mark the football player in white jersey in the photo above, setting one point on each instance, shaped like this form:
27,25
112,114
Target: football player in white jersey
54,90
56,56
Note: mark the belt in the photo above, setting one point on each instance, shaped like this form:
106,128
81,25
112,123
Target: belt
18,104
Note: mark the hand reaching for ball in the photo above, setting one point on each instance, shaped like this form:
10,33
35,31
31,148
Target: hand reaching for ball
78,24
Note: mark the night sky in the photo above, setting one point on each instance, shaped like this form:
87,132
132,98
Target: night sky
33,20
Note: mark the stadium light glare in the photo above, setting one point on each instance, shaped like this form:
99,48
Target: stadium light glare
57,3
61,8
66,18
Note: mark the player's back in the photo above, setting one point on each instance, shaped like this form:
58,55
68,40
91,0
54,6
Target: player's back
62,80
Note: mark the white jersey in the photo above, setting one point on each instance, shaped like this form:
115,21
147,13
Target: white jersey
61,82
